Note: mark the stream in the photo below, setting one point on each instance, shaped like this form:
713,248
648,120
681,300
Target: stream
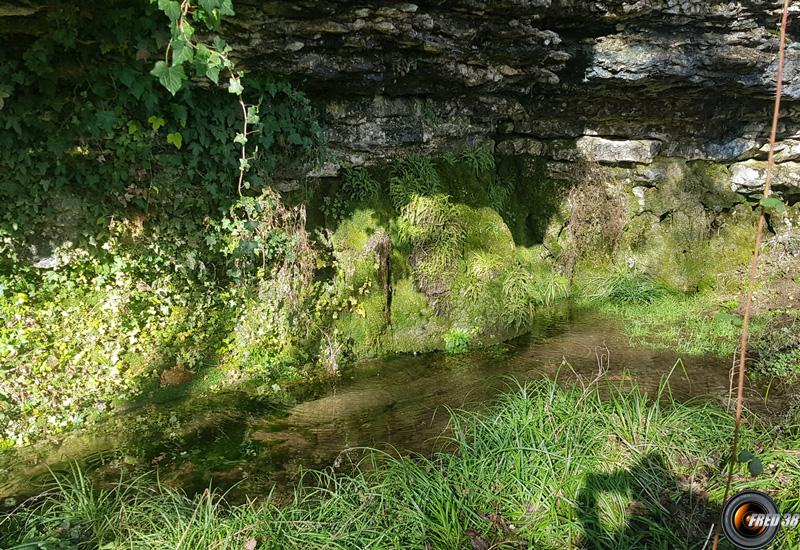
247,445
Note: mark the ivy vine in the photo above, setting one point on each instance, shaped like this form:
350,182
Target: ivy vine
99,122
206,58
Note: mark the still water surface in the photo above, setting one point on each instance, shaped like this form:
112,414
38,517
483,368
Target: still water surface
400,404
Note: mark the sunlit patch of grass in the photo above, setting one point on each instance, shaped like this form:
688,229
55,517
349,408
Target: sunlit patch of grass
686,324
656,315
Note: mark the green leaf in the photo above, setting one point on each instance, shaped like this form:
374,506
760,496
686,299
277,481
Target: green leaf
235,86
773,204
176,139
187,30
240,139
226,8
746,456
219,44
156,122
209,5
212,73
180,113
252,115
181,52
171,9
244,165
172,78
755,467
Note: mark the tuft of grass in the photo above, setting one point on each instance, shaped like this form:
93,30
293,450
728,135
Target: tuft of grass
594,465
626,288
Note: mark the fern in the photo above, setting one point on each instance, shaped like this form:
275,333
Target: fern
499,194
413,176
485,265
480,159
518,302
359,185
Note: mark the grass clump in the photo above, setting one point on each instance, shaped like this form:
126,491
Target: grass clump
546,467
626,287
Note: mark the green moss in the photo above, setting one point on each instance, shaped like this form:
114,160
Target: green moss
415,326
365,326
536,205
351,235
691,231
485,231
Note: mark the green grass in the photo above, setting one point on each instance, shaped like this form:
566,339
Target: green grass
685,324
659,316
545,467
625,287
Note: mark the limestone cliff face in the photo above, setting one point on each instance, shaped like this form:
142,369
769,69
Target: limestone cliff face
614,81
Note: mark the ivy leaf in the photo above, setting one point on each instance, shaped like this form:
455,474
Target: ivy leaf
172,78
209,5
235,86
252,115
181,52
187,30
240,139
212,73
746,456
180,113
226,8
772,205
156,122
176,139
171,9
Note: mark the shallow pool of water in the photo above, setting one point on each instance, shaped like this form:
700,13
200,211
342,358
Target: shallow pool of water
236,440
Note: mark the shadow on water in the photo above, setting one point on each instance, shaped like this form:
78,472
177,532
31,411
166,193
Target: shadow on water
244,441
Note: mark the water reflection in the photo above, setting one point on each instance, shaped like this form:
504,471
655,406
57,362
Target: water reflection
399,404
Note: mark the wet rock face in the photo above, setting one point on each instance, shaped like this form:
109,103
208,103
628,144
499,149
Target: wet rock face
695,76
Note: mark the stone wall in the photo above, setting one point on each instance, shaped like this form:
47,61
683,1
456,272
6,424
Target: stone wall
617,82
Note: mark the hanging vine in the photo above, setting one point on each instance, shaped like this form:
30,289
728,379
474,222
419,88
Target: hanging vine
204,58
